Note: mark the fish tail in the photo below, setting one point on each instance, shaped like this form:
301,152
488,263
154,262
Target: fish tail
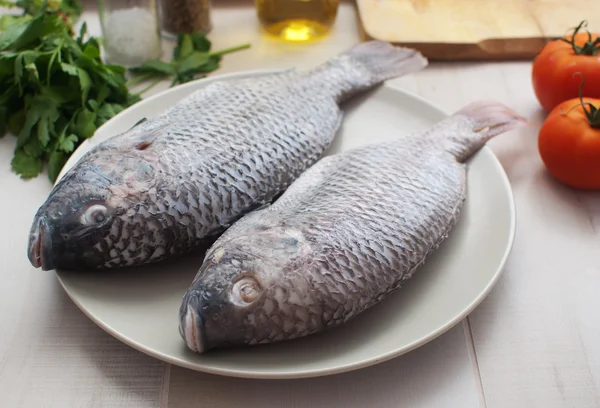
486,119
368,64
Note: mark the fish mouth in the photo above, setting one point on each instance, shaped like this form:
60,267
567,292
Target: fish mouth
192,327
40,244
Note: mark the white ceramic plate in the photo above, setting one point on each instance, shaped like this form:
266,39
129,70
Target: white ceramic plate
140,306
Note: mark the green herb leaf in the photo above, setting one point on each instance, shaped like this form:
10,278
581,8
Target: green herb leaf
73,8
43,132
185,46
201,43
32,69
31,118
91,51
16,122
7,64
25,62
192,62
9,93
86,83
55,89
133,99
18,69
156,67
61,94
11,33
210,66
93,104
33,31
68,144
69,69
112,78
85,123
82,33
33,148
3,120
26,166
117,69
37,28
103,92
56,162
8,20
107,111
37,108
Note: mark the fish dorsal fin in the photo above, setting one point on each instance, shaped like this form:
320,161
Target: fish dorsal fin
139,122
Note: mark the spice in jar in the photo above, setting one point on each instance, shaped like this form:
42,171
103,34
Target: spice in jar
186,16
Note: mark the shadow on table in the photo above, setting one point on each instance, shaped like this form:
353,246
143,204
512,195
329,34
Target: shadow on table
547,261
87,356
437,374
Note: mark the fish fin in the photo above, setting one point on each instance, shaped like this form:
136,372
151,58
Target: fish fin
486,119
139,122
371,63
143,139
385,61
266,205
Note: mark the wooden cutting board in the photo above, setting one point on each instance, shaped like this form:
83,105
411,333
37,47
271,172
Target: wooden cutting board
474,29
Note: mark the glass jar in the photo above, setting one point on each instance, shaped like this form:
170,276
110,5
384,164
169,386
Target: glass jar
185,17
130,31
297,20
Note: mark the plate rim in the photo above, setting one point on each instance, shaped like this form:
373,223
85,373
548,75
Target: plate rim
314,373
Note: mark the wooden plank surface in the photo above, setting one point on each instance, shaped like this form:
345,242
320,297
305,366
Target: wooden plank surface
471,30
51,355
437,375
537,335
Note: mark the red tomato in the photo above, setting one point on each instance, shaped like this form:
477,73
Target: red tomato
569,143
554,69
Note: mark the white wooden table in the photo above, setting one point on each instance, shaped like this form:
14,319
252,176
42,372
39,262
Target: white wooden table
534,342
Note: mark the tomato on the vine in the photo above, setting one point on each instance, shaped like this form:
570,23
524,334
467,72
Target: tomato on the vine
569,143
554,68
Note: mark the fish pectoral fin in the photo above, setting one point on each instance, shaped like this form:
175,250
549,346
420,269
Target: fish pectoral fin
139,122
262,207
143,145
142,142
144,139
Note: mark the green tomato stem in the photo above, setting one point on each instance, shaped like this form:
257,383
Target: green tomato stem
589,48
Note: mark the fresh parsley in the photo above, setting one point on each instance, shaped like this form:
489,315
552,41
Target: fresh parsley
54,89
191,60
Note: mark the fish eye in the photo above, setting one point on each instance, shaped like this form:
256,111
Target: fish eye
95,215
245,291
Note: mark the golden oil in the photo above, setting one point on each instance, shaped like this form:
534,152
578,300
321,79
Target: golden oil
297,20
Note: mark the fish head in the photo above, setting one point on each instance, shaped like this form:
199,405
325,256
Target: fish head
243,290
81,222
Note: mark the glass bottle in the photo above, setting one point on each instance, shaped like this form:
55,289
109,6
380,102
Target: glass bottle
130,31
185,17
297,20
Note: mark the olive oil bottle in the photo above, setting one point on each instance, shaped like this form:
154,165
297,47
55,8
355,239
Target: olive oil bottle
297,20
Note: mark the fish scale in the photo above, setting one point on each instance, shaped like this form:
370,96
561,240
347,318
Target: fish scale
234,145
347,233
